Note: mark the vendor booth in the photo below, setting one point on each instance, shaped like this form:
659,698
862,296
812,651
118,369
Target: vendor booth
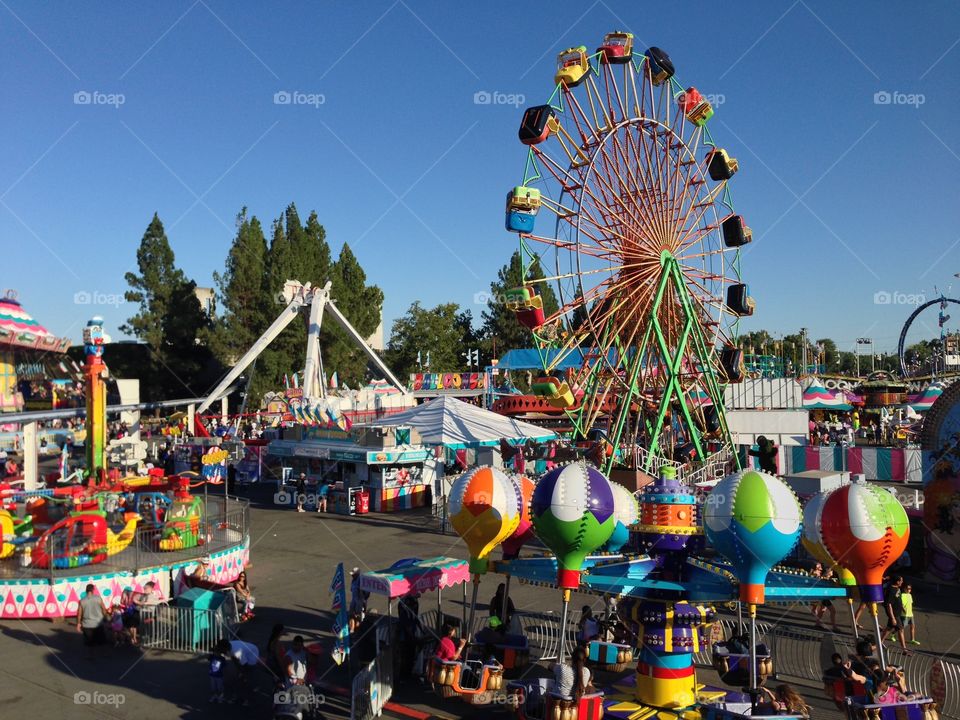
381,467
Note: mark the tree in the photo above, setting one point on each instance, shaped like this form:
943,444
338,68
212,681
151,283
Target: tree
500,327
170,321
243,293
153,288
443,331
362,305
312,252
830,356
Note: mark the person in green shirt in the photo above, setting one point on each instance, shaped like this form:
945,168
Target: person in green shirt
906,617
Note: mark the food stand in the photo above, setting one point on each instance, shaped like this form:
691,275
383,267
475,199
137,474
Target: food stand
379,468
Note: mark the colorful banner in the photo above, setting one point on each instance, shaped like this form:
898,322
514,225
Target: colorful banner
341,627
448,381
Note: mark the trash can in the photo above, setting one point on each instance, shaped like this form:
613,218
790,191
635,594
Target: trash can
201,617
363,502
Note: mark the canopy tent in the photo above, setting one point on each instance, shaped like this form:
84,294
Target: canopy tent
456,424
413,575
921,402
817,397
533,359
19,329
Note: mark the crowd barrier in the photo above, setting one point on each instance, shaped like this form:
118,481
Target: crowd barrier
373,684
803,653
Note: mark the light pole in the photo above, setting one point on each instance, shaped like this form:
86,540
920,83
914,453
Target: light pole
803,350
864,341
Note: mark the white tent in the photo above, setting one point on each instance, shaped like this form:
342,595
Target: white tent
456,424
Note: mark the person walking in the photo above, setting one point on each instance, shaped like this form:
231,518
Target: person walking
301,491
906,616
90,616
894,609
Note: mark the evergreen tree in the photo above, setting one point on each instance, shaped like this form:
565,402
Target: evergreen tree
311,251
153,288
362,305
500,327
170,321
243,293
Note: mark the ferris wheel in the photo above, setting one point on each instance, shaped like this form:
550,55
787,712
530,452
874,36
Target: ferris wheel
624,208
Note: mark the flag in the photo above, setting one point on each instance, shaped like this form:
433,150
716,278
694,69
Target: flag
334,381
341,630
296,380
286,381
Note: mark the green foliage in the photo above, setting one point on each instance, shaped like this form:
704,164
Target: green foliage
444,331
242,291
362,305
178,361
154,287
501,331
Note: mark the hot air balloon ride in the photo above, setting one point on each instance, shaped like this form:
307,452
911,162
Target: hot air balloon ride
484,509
812,540
573,515
866,529
627,513
753,519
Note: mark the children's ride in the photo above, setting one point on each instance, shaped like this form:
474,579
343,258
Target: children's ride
484,509
83,538
181,527
624,209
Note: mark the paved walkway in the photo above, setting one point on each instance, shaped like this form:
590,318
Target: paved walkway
44,665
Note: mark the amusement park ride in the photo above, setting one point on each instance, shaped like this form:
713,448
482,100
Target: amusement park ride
318,300
643,250
75,526
624,201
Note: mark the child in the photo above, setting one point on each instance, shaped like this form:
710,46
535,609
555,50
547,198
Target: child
215,671
906,619
116,624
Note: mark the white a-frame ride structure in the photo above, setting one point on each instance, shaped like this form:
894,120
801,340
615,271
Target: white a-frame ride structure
298,297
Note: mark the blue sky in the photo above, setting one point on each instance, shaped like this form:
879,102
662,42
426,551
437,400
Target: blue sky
847,197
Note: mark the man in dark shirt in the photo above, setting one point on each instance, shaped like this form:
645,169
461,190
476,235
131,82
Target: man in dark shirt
894,609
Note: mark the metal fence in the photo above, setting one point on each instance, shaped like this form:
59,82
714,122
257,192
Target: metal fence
803,653
183,629
373,684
